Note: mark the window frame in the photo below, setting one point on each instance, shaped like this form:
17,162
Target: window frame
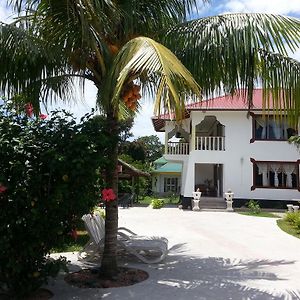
176,184
254,139
254,164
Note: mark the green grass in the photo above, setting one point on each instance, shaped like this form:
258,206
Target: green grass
71,245
288,228
264,214
168,200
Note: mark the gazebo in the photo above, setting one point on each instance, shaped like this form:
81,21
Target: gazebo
129,172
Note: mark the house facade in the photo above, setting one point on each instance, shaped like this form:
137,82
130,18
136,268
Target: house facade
166,177
222,146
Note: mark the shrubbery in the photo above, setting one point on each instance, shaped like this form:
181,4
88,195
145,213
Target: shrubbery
157,203
294,219
49,177
254,207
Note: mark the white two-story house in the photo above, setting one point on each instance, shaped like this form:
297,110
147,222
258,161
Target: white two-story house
222,146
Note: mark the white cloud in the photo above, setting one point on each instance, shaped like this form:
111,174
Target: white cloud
263,6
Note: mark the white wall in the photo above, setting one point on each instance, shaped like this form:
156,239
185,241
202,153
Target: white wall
237,167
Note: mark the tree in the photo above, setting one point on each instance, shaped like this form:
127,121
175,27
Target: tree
153,146
124,46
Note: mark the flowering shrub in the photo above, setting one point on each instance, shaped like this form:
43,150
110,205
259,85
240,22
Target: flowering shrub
108,195
49,177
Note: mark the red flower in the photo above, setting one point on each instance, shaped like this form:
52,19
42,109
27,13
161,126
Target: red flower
43,116
2,188
29,110
108,195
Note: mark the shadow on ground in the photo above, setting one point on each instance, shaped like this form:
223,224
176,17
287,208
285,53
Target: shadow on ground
185,277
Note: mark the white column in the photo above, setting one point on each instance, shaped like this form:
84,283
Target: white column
188,182
193,138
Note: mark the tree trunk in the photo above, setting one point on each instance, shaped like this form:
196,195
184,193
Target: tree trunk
109,261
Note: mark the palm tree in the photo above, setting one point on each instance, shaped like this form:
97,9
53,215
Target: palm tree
122,46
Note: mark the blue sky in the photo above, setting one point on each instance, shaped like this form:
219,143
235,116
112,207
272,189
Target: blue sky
143,125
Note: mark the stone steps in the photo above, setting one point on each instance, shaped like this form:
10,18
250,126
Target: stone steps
212,203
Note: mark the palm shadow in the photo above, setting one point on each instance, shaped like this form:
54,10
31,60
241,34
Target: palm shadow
187,277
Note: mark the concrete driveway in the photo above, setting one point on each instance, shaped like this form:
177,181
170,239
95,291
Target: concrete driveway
213,255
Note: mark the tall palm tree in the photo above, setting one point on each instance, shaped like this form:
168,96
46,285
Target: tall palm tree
122,46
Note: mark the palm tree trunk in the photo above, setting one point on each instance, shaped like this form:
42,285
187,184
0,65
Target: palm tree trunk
109,266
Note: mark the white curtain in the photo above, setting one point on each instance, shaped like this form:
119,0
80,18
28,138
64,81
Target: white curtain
263,123
276,168
289,169
276,126
264,170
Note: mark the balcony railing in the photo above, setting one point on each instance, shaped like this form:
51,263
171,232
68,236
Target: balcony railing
213,143
176,148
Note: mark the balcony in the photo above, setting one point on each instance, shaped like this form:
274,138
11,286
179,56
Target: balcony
212,143
209,143
177,148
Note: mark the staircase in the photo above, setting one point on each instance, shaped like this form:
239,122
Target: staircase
212,203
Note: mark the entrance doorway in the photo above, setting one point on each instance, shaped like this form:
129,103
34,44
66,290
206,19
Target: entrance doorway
209,179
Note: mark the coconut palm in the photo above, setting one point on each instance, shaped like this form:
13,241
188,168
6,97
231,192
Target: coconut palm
132,47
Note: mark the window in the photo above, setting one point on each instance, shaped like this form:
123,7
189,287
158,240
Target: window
171,184
271,128
278,175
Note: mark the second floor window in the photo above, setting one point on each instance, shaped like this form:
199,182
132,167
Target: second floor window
270,128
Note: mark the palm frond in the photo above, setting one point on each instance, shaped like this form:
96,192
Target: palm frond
143,58
282,72
30,68
221,51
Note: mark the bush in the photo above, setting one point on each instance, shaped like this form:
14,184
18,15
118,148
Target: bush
254,207
292,217
172,197
157,203
49,178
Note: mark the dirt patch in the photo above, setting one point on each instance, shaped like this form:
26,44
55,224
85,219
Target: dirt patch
89,278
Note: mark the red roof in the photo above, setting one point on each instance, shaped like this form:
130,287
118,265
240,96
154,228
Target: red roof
227,102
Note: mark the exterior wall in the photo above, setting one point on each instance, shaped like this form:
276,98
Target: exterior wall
237,167
159,178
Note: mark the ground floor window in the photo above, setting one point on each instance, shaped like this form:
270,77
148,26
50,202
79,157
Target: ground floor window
272,174
171,184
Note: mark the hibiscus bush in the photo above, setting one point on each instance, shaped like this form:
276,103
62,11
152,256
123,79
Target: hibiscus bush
50,172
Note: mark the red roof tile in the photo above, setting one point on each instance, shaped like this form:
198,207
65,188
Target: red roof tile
228,102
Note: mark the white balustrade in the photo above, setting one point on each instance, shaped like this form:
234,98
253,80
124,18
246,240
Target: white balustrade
176,148
213,143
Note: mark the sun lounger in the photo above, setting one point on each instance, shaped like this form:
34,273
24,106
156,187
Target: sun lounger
146,248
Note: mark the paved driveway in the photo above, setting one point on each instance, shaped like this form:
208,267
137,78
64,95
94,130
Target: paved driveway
213,255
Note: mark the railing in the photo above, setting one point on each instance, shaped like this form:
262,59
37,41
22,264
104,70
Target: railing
214,143
176,148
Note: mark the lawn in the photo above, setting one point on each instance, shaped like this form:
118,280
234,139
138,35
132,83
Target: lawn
264,214
72,245
290,223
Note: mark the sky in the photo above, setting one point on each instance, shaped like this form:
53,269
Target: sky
143,125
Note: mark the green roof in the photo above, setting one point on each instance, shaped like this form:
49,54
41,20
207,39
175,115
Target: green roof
160,160
169,168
